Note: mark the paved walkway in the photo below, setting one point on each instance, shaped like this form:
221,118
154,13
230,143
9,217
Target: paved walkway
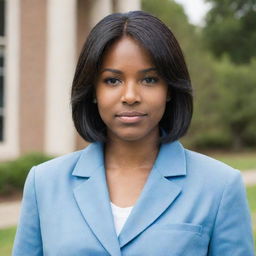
249,177
9,214
9,211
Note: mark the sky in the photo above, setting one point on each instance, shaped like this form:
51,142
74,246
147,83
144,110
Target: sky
195,10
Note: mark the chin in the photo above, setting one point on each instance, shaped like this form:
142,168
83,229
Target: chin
132,136
129,136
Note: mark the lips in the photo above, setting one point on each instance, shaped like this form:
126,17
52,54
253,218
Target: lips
131,116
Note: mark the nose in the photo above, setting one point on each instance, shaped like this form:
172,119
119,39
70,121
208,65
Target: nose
131,94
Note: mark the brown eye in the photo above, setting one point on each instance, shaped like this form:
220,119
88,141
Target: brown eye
112,81
150,80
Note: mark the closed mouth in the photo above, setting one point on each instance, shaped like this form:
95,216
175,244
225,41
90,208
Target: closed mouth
131,117
130,114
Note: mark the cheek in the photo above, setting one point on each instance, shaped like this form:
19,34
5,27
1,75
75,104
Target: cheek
158,101
106,96
106,106
158,109
104,100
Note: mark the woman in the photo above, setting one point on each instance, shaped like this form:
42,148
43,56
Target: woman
134,190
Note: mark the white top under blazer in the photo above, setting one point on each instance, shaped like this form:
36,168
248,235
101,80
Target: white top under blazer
120,215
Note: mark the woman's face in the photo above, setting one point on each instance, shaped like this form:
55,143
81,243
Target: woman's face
131,96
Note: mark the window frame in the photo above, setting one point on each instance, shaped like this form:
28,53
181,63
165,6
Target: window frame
10,146
3,74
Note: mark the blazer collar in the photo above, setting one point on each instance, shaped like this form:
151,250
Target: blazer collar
158,194
92,197
171,160
91,158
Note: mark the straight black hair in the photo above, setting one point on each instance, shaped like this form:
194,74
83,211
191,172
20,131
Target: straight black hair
166,54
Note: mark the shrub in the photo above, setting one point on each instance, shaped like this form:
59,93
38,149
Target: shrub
13,173
213,141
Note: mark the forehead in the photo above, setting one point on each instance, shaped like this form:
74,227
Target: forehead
126,51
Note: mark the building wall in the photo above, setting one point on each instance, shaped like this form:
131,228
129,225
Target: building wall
44,39
32,75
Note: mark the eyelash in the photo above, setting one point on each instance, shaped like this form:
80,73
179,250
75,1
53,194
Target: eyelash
110,80
147,80
153,80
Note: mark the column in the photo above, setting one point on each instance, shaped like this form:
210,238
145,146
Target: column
61,58
126,6
99,9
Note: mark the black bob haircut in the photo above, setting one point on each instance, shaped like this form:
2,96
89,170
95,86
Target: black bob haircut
166,54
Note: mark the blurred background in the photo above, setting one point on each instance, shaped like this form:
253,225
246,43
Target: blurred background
41,40
39,45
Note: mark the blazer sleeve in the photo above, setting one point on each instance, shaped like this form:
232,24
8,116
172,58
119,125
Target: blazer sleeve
232,232
28,236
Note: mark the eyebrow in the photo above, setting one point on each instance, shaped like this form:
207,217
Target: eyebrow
147,70
120,72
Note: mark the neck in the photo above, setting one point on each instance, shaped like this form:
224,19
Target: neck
131,155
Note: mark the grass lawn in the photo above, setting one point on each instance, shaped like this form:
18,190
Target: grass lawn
240,161
6,241
251,194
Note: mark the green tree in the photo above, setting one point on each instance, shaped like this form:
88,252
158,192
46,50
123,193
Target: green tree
201,67
224,93
236,101
173,15
230,29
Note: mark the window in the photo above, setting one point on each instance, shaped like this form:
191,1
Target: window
2,64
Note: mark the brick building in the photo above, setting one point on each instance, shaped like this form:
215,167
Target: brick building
39,44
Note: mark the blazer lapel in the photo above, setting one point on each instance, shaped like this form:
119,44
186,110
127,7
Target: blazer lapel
92,197
158,193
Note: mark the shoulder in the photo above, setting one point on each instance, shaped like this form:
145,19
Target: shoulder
69,166
211,181
60,167
65,161
208,169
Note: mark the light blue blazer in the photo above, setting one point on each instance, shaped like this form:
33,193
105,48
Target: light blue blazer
191,205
